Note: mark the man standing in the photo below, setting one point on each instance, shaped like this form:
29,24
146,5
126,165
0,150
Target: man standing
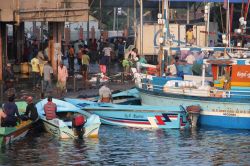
62,79
35,71
9,78
71,59
48,72
50,109
85,66
107,54
79,57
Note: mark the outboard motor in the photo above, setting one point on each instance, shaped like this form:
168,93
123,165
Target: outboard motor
194,113
78,122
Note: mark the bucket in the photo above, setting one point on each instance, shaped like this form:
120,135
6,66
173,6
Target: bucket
25,68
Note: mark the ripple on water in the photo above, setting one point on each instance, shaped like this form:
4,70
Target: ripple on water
128,146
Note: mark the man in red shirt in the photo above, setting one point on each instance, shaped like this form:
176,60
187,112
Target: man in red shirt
50,109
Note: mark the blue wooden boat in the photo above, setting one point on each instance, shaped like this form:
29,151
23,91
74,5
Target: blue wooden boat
127,97
226,104
135,116
62,125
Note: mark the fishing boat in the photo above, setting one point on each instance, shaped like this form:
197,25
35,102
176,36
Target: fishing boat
127,97
224,102
70,121
134,115
221,93
11,134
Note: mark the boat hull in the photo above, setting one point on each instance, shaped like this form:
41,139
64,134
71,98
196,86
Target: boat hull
141,119
135,116
235,115
11,134
53,127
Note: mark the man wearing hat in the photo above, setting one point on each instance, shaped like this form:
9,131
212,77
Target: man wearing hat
31,111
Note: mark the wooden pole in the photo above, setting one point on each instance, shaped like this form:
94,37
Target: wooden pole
141,29
128,17
1,53
53,60
188,12
135,40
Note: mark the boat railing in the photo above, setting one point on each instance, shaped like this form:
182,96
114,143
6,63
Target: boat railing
191,91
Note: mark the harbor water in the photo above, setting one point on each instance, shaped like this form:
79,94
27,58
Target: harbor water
129,146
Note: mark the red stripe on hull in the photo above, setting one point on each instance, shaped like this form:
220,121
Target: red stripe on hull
160,121
128,121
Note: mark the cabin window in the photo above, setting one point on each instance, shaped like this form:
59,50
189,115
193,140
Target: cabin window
223,70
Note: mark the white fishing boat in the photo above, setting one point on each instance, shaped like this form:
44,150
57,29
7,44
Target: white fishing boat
71,122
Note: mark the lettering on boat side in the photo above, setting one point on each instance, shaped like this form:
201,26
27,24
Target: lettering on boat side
243,74
133,116
231,112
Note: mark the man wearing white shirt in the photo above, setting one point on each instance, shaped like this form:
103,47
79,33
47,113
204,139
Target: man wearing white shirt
107,53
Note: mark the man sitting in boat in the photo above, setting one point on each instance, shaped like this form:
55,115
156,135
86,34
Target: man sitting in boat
31,111
105,94
50,109
10,109
171,69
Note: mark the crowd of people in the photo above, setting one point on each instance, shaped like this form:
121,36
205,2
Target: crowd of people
73,58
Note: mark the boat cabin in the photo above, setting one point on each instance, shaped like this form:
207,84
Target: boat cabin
230,73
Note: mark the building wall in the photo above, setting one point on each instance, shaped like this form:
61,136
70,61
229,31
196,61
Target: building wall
44,10
6,10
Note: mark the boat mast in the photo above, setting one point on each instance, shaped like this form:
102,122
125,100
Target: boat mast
164,35
228,26
208,24
141,28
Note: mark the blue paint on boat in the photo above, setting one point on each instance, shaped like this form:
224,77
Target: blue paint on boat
135,115
225,122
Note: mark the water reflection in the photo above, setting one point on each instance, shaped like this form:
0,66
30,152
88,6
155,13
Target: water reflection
129,146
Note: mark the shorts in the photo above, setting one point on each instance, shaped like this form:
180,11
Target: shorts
84,67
